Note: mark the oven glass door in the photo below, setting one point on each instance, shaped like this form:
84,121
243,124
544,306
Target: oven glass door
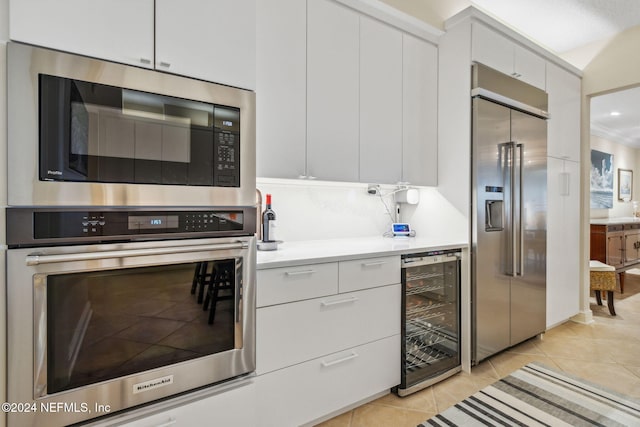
108,324
126,324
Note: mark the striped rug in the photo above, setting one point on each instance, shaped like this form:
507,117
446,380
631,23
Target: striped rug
538,396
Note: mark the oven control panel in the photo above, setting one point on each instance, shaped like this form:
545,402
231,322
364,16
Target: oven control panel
74,224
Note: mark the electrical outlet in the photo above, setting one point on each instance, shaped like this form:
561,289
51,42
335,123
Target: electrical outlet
373,189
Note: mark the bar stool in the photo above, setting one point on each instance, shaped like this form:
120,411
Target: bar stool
220,287
602,277
201,278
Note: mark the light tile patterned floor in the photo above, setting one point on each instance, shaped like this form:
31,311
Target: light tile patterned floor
605,352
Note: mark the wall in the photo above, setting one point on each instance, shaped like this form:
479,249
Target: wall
4,36
623,158
434,12
615,67
316,210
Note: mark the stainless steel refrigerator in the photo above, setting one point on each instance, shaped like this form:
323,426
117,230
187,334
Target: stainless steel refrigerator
509,204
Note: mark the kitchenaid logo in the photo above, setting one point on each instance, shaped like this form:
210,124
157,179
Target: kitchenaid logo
152,384
50,172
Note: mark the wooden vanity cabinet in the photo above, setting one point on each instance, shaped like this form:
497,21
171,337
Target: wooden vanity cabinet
617,245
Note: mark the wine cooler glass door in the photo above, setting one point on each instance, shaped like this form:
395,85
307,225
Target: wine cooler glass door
432,319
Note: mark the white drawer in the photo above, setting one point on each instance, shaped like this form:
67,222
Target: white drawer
303,393
368,273
234,408
293,333
280,285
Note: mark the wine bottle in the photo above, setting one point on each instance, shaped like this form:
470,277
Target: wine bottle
268,222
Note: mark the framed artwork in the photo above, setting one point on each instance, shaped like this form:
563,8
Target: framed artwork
601,180
625,184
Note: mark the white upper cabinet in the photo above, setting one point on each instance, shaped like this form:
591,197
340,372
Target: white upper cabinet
502,54
344,94
419,112
563,88
209,40
332,91
380,102
116,30
281,82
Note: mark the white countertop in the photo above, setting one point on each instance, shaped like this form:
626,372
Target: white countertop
618,220
317,251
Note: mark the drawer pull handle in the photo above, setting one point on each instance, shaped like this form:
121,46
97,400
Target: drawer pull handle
171,422
373,264
342,301
298,273
353,355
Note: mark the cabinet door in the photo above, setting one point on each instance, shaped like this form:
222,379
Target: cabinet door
234,407
529,67
563,88
281,79
380,102
492,49
304,392
288,334
116,30
503,54
419,112
332,91
563,240
631,247
615,248
208,40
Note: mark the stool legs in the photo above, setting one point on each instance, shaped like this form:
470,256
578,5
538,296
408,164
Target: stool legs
612,310
598,297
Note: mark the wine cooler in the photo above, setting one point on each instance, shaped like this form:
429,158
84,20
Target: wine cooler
431,319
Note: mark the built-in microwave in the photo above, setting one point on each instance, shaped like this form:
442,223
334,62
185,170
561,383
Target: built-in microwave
83,131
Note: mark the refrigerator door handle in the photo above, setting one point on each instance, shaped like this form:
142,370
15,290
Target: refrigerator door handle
507,158
520,271
512,209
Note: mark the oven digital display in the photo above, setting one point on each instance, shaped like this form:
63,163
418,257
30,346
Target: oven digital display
148,222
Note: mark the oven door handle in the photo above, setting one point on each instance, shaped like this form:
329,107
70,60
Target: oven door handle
37,259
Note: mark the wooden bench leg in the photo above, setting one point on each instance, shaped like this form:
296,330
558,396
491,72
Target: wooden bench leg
612,311
621,274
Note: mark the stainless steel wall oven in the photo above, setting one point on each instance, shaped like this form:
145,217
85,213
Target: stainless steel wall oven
134,317
131,235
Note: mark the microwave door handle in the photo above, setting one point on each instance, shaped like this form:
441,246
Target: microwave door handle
36,259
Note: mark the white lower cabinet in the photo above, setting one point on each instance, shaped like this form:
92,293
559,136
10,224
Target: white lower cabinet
292,333
235,407
308,391
327,350
360,274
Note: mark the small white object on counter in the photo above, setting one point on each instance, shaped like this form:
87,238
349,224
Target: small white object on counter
318,251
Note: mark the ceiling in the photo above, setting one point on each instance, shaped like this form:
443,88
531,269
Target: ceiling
563,25
623,128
